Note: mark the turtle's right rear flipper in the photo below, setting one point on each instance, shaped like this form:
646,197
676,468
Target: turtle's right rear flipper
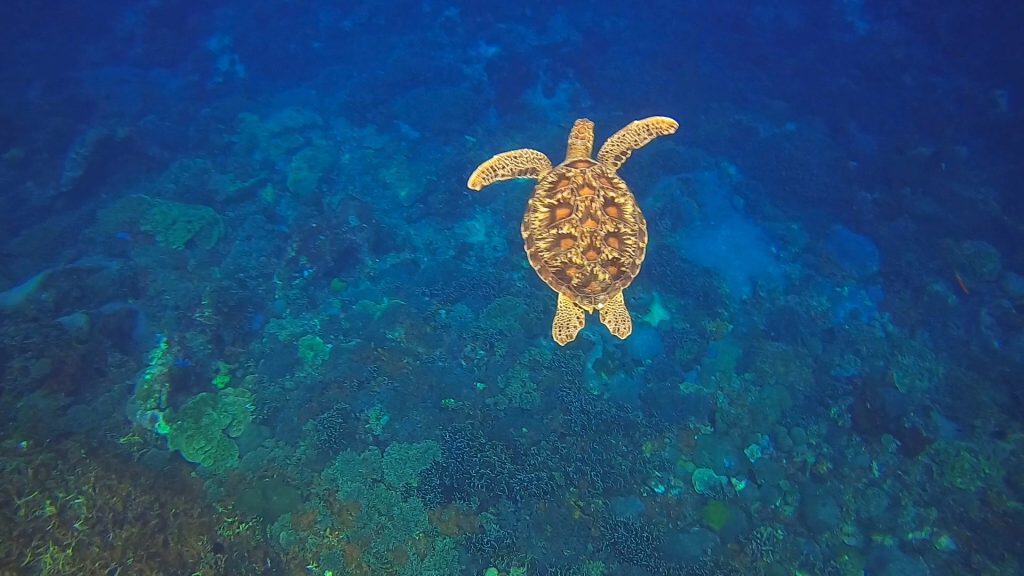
615,316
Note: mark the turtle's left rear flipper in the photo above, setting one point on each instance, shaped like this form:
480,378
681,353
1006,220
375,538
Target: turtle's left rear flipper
569,320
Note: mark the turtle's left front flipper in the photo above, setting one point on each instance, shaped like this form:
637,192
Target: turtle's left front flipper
617,149
524,163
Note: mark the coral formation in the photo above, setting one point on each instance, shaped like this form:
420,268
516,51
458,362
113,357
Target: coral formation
308,167
171,224
204,429
149,398
313,351
390,529
177,225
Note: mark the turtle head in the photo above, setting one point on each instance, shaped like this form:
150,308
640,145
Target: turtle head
581,140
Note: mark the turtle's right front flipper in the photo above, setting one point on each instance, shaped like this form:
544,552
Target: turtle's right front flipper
617,149
524,163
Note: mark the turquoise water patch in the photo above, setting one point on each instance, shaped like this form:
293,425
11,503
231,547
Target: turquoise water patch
722,237
854,252
645,344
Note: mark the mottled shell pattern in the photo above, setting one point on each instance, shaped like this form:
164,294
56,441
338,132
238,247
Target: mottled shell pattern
584,233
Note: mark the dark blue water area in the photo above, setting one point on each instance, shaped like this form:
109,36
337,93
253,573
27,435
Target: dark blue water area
253,319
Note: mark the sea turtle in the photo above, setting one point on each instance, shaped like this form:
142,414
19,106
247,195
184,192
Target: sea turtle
584,233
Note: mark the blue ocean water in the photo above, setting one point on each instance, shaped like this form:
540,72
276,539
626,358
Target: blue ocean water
253,321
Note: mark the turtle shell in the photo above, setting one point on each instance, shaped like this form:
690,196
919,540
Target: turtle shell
584,233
